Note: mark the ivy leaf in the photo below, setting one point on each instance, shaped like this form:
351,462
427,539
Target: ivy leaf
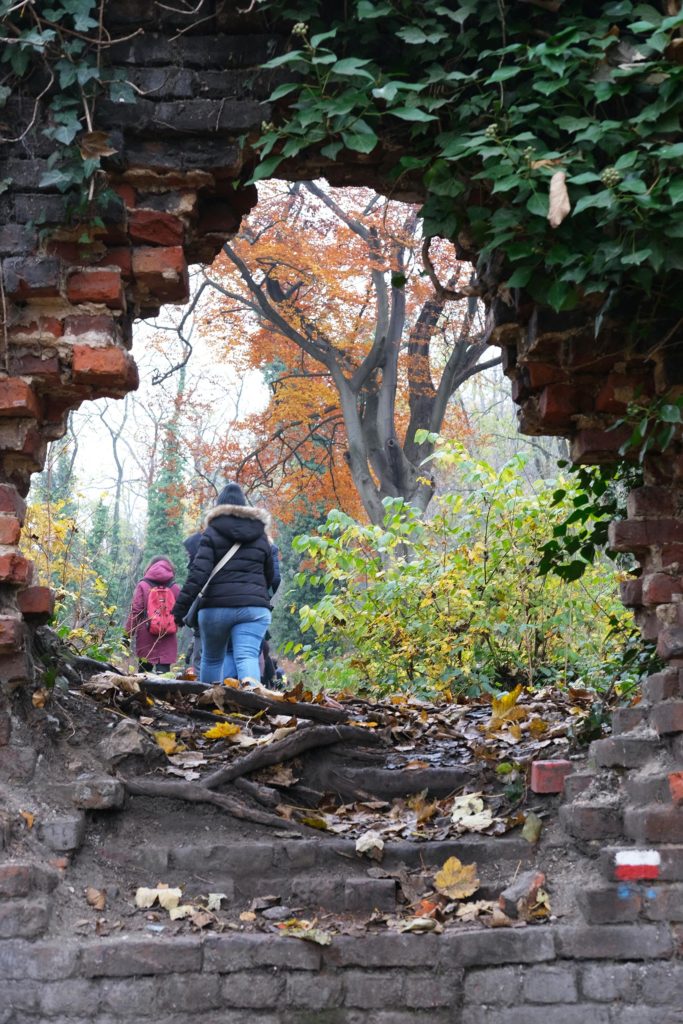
360,142
412,114
538,204
352,66
266,168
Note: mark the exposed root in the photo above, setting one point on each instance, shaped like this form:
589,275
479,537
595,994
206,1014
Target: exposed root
196,793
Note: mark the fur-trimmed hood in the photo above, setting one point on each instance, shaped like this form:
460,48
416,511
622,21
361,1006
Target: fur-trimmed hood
241,511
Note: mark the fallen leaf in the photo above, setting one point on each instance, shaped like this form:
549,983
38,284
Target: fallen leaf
168,898
559,206
214,899
532,827
178,913
222,731
421,924
468,812
28,818
456,880
371,843
96,898
201,918
301,929
247,916
40,697
471,911
426,908
167,741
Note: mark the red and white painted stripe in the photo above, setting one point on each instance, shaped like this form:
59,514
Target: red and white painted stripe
635,864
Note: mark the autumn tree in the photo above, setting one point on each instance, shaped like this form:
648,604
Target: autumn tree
361,344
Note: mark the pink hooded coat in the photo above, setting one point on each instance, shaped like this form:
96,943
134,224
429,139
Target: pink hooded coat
158,650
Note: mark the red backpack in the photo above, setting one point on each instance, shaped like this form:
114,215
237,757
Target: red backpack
160,621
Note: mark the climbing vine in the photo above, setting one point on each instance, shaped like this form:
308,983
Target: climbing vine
52,73
547,132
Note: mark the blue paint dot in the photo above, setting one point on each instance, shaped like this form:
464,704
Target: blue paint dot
624,891
650,894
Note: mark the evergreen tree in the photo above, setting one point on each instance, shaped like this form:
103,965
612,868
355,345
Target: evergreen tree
165,511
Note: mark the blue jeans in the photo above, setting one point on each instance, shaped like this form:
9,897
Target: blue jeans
243,629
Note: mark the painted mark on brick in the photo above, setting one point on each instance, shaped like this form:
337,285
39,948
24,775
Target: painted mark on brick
636,864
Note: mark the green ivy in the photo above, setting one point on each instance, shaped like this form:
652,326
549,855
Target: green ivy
490,100
54,54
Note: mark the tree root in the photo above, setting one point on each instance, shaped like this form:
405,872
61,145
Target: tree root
197,793
305,738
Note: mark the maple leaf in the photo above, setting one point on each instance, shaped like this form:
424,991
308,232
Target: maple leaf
456,880
222,731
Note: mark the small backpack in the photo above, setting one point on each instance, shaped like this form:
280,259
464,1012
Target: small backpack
160,621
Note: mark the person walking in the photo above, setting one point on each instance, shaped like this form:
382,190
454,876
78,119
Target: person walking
235,610
150,620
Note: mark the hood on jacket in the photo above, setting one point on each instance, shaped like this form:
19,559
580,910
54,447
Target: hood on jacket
239,522
160,572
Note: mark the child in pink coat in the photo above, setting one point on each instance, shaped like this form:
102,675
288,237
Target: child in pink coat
155,653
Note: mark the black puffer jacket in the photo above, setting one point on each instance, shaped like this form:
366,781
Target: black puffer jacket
244,581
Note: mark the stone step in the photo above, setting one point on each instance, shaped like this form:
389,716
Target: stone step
576,784
19,880
600,818
632,750
627,902
313,873
666,717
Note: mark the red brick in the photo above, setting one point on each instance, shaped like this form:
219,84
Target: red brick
591,820
32,277
610,905
619,389
56,408
663,686
626,719
539,375
36,602
42,329
15,569
17,398
11,633
101,366
648,623
161,273
576,784
659,588
593,447
655,825
631,592
676,787
650,503
34,366
558,403
624,751
77,326
10,529
127,194
11,502
549,776
667,717
15,669
156,228
15,880
670,643
101,286
640,534
120,257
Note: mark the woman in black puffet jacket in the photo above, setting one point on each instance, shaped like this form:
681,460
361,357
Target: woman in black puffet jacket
235,611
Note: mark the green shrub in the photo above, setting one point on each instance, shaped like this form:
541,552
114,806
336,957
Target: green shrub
456,604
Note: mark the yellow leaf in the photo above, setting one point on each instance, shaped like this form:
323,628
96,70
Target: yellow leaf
167,741
537,726
28,818
501,706
456,880
96,898
222,731
315,823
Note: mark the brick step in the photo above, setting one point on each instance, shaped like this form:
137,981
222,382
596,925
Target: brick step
25,905
600,818
657,783
624,720
632,750
666,685
313,873
654,824
576,784
627,902
666,718
669,869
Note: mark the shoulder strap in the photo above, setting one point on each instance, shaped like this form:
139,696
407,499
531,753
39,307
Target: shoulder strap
224,560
